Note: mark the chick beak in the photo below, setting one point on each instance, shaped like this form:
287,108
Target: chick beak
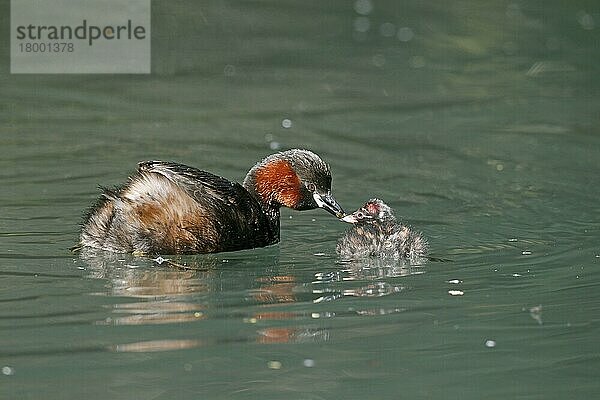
350,218
355,217
328,203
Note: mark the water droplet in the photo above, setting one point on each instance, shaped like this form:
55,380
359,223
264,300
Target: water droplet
274,145
417,61
585,20
456,292
286,123
362,24
308,363
489,343
454,281
8,370
526,253
379,60
387,29
363,7
274,364
229,70
405,34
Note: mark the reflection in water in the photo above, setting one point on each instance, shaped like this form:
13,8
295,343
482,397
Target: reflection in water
156,345
276,289
175,291
166,291
292,335
378,274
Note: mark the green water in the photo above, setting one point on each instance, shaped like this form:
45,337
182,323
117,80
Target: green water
477,121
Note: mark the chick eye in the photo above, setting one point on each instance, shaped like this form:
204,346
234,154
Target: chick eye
311,187
360,215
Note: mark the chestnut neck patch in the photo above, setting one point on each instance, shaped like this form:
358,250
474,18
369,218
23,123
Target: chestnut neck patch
277,182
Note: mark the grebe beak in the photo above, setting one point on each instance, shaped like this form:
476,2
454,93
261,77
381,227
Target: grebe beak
328,203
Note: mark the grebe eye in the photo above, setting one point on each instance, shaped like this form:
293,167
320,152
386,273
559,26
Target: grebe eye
311,187
360,215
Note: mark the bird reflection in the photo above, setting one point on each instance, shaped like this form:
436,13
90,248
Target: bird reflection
191,289
374,277
165,291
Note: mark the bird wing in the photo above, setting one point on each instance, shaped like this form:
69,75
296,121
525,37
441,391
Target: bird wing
235,211
190,178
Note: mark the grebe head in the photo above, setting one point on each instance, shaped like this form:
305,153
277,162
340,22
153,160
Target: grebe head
372,211
297,179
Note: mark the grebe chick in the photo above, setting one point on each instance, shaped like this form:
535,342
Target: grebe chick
376,233
169,208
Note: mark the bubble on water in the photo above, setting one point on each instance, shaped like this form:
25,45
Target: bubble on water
585,20
362,24
456,292
308,363
417,61
513,240
229,70
405,34
6,370
526,252
387,29
274,364
536,314
187,367
274,145
286,123
489,343
454,281
269,137
499,167
363,7
378,60
516,275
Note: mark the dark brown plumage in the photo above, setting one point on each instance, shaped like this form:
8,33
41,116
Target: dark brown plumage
169,208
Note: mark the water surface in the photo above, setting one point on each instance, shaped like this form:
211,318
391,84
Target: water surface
477,122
